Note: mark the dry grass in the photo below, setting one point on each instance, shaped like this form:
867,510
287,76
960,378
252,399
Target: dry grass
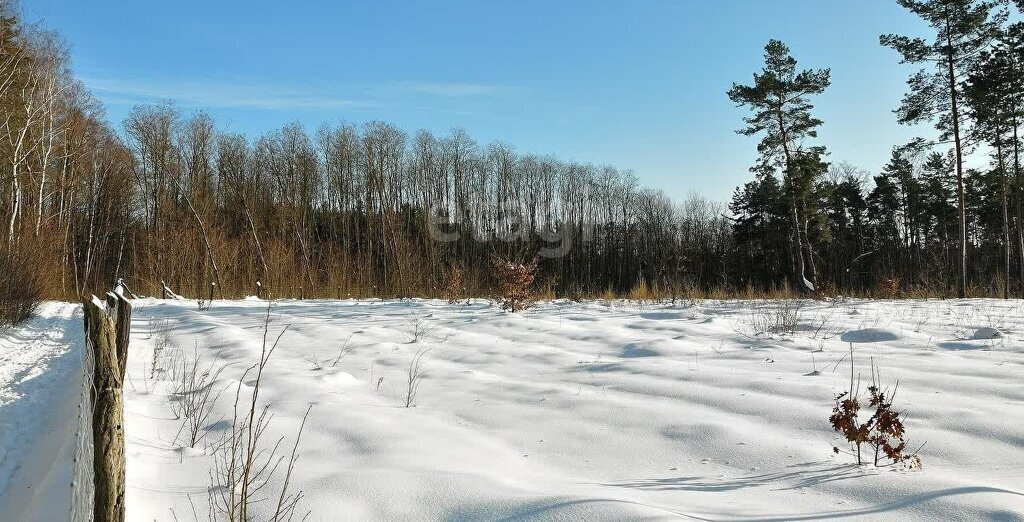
194,396
246,462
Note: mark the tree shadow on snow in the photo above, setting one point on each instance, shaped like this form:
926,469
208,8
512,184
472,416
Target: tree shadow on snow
907,502
588,508
812,474
808,475
961,345
631,351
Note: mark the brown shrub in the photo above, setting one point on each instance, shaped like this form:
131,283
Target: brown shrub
883,431
513,280
888,288
19,289
453,289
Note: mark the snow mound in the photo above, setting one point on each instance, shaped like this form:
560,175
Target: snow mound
869,335
338,379
987,332
661,316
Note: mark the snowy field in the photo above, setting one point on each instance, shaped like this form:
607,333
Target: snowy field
569,411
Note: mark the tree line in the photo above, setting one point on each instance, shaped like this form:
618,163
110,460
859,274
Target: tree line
925,222
345,210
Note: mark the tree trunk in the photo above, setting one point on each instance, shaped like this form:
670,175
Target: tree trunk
800,278
1006,219
962,286
1017,182
206,241
256,240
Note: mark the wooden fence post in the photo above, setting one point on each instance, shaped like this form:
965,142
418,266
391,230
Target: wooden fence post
122,313
108,407
123,325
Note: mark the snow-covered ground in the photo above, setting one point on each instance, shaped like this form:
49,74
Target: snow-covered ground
40,386
573,411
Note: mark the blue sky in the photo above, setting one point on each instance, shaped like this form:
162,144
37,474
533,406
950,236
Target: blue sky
637,84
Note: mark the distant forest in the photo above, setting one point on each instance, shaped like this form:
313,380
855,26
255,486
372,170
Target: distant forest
372,210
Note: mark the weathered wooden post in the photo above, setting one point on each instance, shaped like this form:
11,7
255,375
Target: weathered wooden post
121,310
259,289
108,409
163,289
123,326
213,286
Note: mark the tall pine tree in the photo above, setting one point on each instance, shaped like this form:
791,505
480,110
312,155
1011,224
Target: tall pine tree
779,99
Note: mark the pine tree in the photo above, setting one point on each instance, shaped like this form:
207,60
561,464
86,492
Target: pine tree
962,27
844,211
1013,42
779,99
884,202
939,201
758,228
989,95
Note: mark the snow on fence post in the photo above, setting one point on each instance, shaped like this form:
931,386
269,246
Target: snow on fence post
103,339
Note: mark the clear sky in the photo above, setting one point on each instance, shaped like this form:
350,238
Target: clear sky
637,84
